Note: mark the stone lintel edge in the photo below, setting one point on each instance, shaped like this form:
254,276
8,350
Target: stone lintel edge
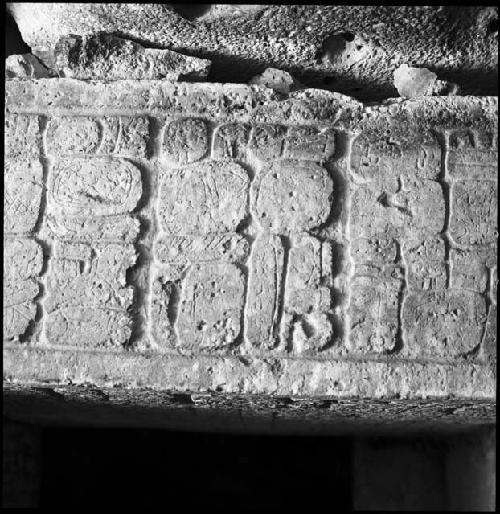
237,102
281,377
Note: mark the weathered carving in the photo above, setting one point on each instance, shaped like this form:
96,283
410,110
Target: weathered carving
291,196
230,141
22,195
87,285
91,135
263,314
185,141
203,198
90,199
22,263
22,136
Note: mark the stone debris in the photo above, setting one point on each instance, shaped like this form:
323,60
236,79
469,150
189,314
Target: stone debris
279,80
413,82
25,66
107,57
360,46
306,245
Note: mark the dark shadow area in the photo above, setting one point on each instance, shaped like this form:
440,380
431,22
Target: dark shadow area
14,43
191,11
206,472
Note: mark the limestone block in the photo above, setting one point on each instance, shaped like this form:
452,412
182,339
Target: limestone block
201,237
22,264
107,57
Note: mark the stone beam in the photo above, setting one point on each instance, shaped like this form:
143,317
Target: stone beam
210,238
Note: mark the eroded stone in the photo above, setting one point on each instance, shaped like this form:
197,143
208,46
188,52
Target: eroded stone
94,195
443,323
474,212
203,198
90,135
107,57
279,80
22,263
267,141
88,296
22,136
374,313
263,311
185,141
292,196
25,66
22,195
307,319
203,248
211,306
230,141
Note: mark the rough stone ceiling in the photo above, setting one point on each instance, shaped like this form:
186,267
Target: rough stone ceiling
350,49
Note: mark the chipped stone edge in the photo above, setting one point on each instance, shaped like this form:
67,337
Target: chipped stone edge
344,379
289,377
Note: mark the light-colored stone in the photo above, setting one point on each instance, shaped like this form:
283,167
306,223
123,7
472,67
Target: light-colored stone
233,240
25,66
242,41
107,57
279,80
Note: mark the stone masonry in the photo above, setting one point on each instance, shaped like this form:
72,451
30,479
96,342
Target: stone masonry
208,237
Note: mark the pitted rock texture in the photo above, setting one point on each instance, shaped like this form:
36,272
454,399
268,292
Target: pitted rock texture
218,237
25,66
279,80
107,57
350,49
411,82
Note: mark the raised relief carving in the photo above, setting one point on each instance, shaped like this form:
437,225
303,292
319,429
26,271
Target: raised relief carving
198,293
90,199
22,263
396,221
88,300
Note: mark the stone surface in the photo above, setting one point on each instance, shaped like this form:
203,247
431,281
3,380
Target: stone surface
352,49
107,57
25,66
279,80
411,82
208,237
